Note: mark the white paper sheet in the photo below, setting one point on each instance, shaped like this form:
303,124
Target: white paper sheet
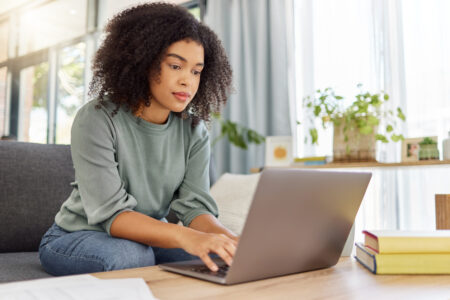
83,287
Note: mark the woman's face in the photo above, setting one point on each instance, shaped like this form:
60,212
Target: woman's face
179,79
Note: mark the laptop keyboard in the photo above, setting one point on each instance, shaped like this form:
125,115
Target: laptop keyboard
222,272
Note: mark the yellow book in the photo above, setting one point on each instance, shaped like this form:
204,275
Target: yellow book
310,158
410,263
385,241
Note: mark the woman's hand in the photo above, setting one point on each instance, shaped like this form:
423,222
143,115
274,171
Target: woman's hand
234,238
201,244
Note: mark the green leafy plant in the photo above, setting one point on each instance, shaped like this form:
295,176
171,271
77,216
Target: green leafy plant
238,135
364,114
427,141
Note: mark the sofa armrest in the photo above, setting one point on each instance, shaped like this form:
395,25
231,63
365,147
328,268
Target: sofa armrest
35,180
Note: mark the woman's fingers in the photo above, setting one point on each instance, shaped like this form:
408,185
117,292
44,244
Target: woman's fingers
202,244
209,263
231,248
225,256
225,248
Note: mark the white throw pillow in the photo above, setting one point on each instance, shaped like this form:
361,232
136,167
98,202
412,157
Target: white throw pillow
233,194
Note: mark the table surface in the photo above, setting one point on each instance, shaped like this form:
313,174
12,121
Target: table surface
347,280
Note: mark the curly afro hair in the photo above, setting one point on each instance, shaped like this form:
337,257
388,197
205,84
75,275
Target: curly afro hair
135,44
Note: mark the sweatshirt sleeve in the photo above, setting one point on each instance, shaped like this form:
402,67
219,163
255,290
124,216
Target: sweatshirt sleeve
101,189
193,197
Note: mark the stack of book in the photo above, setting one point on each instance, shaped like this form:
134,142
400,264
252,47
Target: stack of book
311,160
405,252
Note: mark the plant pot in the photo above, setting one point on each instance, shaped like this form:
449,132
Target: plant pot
428,151
358,148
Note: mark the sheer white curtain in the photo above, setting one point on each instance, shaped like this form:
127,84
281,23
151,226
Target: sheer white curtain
403,48
426,36
426,54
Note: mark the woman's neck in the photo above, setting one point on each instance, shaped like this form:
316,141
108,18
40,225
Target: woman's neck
153,113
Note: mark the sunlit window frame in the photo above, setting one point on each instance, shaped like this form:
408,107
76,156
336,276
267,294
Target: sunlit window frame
15,63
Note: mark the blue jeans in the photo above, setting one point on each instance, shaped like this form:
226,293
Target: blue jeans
67,253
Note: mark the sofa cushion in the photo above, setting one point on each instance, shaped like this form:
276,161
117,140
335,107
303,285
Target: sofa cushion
233,194
34,182
20,266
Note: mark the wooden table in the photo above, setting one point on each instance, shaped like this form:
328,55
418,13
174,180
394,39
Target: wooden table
347,280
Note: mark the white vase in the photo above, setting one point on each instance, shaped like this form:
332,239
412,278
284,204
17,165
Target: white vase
446,147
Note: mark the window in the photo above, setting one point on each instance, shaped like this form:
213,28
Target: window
3,110
33,111
70,92
4,27
426,44
195,7
48,70
339,55
51,24
44,81
400,47
196,12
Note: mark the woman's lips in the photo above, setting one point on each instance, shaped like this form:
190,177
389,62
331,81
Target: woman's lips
181,96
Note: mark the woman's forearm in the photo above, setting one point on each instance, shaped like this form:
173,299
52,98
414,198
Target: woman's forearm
140,228
205,236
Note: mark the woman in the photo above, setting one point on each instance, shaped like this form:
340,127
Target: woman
141,147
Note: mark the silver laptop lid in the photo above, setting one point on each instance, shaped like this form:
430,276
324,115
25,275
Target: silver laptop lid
298,221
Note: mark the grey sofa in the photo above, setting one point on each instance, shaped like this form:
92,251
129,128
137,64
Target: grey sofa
34,182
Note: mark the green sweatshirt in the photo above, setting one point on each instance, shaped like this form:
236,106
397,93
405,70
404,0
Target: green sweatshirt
123,163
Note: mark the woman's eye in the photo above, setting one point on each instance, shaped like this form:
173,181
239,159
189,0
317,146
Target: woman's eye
196,72
175,67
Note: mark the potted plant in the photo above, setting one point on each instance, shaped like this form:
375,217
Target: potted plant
356,125
428,149
238,135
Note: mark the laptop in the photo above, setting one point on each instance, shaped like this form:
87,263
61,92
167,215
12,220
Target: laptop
298,221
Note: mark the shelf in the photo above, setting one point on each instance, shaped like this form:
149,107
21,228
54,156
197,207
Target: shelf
367,165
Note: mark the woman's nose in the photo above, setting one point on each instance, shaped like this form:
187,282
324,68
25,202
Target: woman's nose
186,79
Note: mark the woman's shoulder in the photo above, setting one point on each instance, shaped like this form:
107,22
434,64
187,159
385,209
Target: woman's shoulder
106,106
95,110
92,127
94,116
